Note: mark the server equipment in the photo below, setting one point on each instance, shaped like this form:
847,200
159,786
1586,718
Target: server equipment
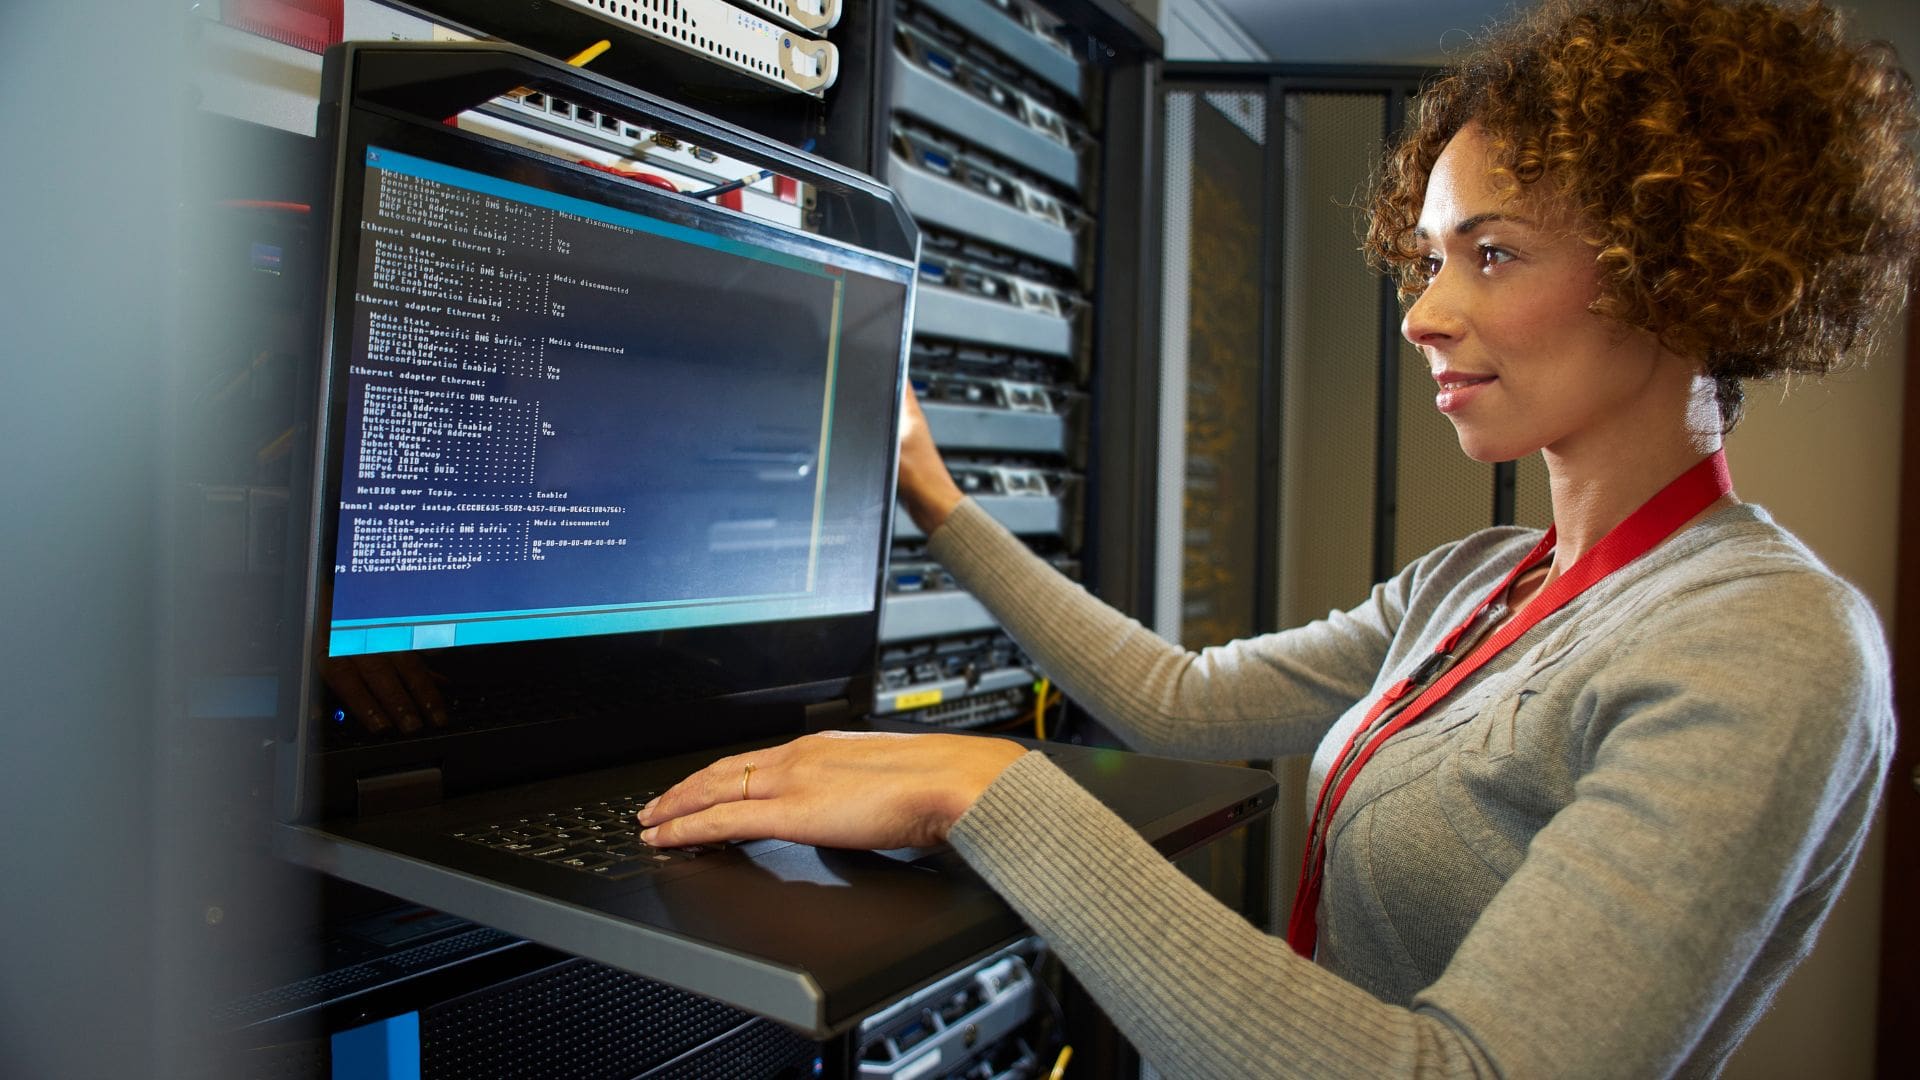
991,144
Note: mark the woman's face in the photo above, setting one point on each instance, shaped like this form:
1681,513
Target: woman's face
1504,325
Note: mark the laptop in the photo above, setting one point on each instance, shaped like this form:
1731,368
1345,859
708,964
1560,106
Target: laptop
602,488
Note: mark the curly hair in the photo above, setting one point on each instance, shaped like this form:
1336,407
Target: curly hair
1745,172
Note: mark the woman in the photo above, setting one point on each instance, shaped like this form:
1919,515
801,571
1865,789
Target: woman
1582,799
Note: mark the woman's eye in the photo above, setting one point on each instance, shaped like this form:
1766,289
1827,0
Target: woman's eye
1493,256
1429,266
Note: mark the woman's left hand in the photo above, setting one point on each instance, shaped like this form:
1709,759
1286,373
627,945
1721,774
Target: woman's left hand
839,789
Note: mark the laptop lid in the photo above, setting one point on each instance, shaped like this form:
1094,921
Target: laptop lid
602,471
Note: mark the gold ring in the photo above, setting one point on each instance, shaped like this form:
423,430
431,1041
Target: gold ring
745,776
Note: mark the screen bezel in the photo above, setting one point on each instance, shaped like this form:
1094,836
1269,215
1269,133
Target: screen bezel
823,664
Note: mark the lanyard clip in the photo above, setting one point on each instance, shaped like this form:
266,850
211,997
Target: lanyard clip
1458,644
1430,668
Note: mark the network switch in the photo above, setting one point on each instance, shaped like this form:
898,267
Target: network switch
963,1022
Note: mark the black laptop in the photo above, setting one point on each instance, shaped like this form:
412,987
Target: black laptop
602,489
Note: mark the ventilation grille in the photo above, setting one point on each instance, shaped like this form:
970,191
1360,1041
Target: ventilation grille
579,1020
673,21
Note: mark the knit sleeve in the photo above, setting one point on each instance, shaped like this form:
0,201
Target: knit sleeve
1260,697
1730,780
1196,988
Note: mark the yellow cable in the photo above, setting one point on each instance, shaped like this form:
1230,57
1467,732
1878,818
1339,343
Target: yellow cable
591,53
1060,1063
1040,709
580,59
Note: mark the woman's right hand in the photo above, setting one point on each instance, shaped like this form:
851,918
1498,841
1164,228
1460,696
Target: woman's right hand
927,489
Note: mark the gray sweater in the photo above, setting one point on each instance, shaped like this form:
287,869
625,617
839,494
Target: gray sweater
1599,857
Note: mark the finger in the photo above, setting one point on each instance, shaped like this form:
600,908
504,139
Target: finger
343,678
385,683
718,783
754,819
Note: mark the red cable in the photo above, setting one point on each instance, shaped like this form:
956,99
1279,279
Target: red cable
630,174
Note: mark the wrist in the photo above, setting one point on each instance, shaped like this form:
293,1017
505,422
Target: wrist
985,765
931,509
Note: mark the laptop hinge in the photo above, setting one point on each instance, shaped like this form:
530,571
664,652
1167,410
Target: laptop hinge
829,715
408,790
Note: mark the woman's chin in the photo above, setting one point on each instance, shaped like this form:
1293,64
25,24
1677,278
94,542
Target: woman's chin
1488,451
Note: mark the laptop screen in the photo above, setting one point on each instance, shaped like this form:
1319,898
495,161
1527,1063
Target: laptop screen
589,452
568,418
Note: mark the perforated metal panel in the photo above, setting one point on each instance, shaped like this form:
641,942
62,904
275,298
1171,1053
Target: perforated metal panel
1216,145
1330,322
584,1021
764,1051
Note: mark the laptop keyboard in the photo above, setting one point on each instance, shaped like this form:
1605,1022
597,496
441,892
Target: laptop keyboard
599,838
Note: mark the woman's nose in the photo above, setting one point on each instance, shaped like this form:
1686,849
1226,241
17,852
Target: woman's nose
1434,317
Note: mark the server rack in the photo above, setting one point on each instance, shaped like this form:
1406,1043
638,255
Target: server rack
1039,282
1011,136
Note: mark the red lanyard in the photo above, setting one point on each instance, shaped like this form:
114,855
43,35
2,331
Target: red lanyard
1677,503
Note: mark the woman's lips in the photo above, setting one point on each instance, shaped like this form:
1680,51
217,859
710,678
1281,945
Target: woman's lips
1457,389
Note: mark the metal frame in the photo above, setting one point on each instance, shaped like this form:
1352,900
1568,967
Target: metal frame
1124,451
1396,85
